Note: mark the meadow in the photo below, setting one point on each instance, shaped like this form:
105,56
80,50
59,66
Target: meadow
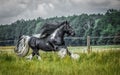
103,60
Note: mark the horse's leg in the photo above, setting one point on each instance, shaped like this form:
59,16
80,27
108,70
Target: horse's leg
32,54
68,52
52,45
62,52
38,55
36,52
72,55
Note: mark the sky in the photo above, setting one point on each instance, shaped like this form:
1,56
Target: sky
12,10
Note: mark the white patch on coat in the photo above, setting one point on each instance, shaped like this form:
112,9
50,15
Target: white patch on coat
53,34
47,44
37,35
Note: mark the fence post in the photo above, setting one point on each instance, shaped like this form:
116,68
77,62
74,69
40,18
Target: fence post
88,44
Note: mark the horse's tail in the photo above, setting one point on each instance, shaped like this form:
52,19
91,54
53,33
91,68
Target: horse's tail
22,47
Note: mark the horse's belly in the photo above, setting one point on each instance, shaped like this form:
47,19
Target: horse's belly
39,44
45,47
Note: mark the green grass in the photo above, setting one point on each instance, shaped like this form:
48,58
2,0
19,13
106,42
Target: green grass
83,49
103,63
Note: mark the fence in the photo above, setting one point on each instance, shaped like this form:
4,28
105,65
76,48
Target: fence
82,41
77,41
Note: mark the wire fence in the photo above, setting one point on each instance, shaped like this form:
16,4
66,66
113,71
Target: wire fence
77,41
87,44
82,41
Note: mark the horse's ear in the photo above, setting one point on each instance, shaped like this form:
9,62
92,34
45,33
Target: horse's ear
66,22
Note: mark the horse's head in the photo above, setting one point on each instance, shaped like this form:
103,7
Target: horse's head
68,29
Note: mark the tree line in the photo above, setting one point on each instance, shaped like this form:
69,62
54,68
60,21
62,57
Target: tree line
94,25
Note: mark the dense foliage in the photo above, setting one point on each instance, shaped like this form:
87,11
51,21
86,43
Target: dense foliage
94,25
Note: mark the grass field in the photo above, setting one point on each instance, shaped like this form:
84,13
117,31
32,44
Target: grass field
95,63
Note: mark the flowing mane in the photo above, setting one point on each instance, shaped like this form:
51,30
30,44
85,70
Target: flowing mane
53,26
48,29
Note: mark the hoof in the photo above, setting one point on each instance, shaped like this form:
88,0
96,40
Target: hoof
29,57
39,58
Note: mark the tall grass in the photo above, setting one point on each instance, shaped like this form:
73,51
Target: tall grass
103,63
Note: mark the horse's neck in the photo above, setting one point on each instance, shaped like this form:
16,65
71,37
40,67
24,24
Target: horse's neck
57,33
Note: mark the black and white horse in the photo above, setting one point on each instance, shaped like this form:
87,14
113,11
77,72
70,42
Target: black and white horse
54,42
